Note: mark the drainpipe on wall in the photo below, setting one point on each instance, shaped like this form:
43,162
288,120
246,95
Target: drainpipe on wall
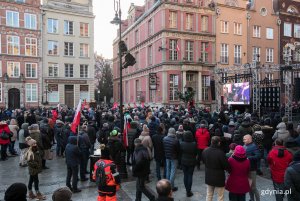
42,51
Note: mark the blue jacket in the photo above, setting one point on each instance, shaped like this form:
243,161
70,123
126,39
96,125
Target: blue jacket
72,152
253,154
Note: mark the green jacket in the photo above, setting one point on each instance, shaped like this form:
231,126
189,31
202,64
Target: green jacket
35,164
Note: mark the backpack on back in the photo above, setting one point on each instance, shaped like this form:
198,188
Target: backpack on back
106,174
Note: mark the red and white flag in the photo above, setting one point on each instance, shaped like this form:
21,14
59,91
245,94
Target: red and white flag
135,106
142,105
177,48
76,119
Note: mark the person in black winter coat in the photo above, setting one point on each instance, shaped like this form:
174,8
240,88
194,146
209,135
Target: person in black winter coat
91,131
72,160
188,149
132,133
103,134
159,154
60,137
215,165
141,169
84,147
152,126
292,178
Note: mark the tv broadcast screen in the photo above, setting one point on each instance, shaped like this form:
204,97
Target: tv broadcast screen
236,93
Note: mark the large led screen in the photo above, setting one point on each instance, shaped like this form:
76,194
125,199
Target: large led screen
236,93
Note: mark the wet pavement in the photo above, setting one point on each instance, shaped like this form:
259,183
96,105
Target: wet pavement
55,177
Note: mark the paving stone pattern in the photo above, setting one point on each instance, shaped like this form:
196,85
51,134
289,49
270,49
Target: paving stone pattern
55,177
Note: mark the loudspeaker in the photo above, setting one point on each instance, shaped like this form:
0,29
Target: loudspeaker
213,90
297,89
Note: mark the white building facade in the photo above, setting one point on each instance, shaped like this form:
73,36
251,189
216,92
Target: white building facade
68,52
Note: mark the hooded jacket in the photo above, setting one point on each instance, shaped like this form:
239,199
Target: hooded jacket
268,132
202,138
278,164
245,128
281,133
292,180
4,128
72,152
23,133
188,150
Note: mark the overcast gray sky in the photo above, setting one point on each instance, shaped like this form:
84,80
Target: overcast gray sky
105,32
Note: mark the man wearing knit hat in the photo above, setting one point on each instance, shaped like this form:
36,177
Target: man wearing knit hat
62,194
292,178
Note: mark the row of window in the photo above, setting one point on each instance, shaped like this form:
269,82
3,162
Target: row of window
68,49
53,24
13,45
31,69
53,95
238,54
288,30
30,22
31,92
53,69
189,21
173,87
13,20
13,69
237,30
189,50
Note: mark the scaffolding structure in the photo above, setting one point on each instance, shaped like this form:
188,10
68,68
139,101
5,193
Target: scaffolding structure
226,74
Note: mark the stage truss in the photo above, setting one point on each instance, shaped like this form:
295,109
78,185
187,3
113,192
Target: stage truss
252,73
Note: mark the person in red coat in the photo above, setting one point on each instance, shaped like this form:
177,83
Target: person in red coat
238,183
202,138
279,159
4,142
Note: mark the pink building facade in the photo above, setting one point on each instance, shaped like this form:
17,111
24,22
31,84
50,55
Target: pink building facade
173,43
20,53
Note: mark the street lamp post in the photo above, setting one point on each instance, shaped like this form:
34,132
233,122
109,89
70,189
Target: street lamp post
98,96
117,20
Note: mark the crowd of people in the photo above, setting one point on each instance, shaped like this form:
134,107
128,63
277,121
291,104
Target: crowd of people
233,147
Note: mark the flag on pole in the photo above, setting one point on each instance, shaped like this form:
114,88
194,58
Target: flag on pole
135,106
142,105
125,131
76,119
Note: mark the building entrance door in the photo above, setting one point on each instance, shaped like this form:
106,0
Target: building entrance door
69,95
13,98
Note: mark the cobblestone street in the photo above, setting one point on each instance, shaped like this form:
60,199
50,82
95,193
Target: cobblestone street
54,177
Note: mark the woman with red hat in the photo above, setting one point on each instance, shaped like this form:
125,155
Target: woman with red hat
238,183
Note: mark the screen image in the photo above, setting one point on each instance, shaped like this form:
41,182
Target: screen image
236,93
